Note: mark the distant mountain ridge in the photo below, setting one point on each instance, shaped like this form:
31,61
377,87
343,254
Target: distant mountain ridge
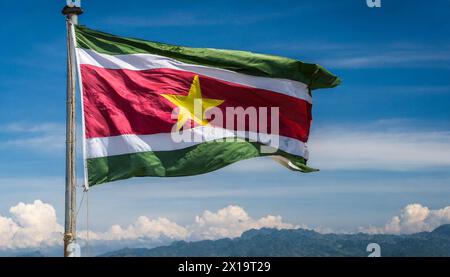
33,254
302,243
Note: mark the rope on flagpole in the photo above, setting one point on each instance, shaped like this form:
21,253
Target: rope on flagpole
83,197
81,203
86,191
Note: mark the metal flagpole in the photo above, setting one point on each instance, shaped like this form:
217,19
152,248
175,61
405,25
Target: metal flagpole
71,11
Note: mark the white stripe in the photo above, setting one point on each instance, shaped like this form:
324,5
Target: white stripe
128,144
150,61
83,121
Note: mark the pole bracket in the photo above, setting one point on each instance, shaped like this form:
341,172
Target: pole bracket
67,10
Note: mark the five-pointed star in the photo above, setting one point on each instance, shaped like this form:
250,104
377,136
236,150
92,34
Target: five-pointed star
187,103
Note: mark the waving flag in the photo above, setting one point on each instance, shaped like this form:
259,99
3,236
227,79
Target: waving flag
140,98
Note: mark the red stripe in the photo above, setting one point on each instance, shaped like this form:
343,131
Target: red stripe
121,101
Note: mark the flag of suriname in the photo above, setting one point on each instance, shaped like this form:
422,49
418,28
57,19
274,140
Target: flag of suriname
137,94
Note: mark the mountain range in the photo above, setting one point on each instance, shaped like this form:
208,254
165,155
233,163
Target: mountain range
302,243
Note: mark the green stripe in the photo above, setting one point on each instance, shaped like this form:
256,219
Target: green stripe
198,159
239,61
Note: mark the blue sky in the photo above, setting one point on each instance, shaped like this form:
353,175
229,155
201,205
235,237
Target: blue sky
381,139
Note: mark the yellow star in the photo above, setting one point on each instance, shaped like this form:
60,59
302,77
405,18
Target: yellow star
192,106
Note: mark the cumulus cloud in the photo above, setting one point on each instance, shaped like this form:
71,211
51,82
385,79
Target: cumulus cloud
143,228
35,226
232,221
413,218
30,225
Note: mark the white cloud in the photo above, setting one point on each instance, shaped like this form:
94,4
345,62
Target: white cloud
393,58
143,229
232,221
35,225
30,225
43,137
360,55
413,218
348,148
389,145
22,127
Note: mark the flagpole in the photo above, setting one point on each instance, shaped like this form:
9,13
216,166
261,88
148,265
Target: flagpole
71,12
